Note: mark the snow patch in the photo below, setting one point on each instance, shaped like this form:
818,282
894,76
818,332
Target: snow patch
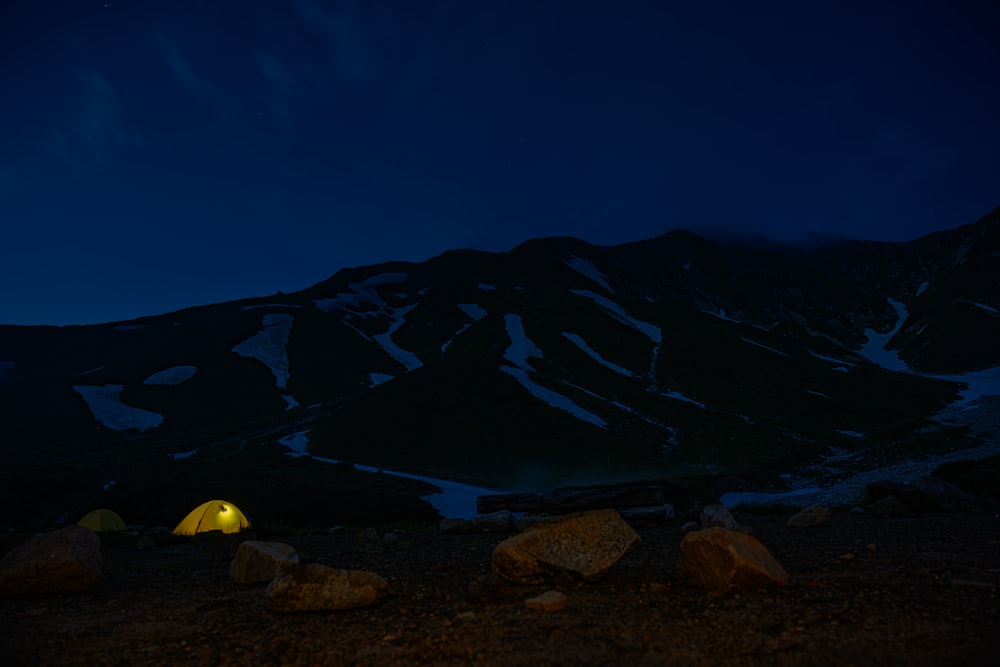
582,344
472,310
183,455
588,269
290,401
653,332
106,406
769,349
874,350
520,350
487,287
171,376
298,442
268,346
384,340
375,379
362,292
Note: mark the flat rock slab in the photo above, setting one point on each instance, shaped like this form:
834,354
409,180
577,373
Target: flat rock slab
316,587
578,546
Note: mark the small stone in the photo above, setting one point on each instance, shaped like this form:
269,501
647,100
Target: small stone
815,515
495,522
547,601
890,506
367,538
145,543
455,526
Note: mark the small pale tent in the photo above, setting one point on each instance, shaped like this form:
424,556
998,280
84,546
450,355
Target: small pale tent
213,515
101,520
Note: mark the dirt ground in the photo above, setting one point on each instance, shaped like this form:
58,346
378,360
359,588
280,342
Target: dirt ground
920,590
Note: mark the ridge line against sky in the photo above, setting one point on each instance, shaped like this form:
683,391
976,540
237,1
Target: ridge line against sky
159,155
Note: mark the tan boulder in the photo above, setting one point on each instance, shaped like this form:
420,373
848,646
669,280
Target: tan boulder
257,562
320,588
67,560
577,546
814,515
722,560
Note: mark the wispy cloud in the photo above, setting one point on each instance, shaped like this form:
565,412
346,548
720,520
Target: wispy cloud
351,43
94,131
185,73
10,182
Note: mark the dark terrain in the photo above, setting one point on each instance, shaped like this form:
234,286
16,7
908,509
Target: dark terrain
865,590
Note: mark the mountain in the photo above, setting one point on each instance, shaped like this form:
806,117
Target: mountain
675,358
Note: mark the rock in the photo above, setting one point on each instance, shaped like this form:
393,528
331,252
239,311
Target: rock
648,515
367,539
67,560
455,526
717,516
884,488
547,601
495,522
317,587
889,506
690,526
577,546
489,587
939,494
722,560
815,515
529,520
390,539
145,543
257,562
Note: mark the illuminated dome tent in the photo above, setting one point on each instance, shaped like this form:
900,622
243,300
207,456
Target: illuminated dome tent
101,520
213,515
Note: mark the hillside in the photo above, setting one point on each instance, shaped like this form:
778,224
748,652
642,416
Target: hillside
559,362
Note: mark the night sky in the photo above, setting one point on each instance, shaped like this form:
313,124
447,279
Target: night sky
156,155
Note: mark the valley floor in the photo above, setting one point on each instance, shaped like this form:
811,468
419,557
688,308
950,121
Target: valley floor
918,590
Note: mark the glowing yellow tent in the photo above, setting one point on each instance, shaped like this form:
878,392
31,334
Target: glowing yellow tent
213,515
100,520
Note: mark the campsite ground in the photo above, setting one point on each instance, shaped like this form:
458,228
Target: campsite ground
918,590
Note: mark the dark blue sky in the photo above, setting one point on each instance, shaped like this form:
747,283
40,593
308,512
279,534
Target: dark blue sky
156,155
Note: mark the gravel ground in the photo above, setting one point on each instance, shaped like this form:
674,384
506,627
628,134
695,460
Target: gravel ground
918,590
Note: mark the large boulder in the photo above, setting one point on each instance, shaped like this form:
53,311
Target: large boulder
257,562
577,546
721,560
938,494
320,588
67,560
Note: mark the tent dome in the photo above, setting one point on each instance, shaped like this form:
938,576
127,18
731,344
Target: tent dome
101,520
213,515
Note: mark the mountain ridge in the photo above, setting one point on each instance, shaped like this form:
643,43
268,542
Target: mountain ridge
557,361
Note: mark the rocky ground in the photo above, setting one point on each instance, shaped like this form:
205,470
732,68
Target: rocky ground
916,590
